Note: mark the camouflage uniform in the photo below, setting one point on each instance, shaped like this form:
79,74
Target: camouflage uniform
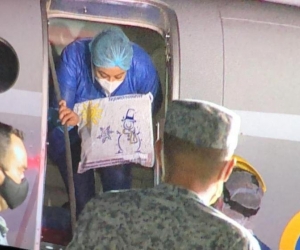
3,232
167,216
164,217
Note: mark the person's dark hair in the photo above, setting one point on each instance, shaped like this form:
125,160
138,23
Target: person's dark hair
6,131
242,199
209,159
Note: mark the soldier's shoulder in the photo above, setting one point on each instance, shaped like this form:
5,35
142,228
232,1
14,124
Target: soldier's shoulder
120,197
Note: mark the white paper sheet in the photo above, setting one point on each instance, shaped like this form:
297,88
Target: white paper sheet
116,130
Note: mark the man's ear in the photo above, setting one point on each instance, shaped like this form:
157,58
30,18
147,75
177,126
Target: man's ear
2,176
158,149
228,168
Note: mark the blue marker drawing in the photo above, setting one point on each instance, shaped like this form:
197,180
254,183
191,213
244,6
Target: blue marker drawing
129,136
105,134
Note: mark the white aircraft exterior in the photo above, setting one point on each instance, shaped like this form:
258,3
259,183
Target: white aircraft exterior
240,54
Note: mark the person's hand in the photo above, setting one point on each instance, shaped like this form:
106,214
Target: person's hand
66,115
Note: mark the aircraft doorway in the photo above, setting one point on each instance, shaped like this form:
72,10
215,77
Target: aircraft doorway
63,31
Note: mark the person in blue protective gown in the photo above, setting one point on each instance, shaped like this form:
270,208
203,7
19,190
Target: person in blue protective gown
107,65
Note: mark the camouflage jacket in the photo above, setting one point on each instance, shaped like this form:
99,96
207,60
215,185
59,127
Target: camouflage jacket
163,217
3,232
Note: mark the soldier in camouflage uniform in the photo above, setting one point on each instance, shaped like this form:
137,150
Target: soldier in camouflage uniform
198,144
3,232
13,162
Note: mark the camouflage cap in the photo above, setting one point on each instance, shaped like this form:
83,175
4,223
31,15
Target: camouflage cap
203,123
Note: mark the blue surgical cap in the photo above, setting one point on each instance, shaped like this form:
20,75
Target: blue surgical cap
111,48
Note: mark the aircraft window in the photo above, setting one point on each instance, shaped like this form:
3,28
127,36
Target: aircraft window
9,66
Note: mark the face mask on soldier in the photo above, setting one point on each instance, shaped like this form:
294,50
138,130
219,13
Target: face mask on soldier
14,194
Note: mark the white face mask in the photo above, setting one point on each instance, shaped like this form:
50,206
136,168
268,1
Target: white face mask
108,87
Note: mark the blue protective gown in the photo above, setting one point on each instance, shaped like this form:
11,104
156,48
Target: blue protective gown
76,79
262,245
77,84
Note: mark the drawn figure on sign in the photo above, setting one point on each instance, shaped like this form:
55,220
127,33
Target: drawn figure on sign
129,138
105,134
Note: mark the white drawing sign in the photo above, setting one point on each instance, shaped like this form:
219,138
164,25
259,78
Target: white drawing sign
115,130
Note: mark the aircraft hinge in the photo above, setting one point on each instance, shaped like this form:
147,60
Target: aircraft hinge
168,46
